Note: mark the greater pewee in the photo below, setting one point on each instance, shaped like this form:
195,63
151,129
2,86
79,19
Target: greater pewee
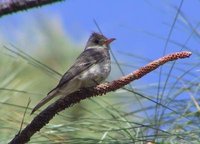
90,68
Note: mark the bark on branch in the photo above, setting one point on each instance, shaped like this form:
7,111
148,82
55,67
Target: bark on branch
47,114
11,6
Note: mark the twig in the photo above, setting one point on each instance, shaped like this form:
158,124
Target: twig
47,114
12,6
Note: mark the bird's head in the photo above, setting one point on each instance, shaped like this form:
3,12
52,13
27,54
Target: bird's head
97,40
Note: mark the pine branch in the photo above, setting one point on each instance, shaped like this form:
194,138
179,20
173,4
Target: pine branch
47,114
12,6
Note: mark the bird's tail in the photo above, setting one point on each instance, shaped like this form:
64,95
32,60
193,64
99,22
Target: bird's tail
49,96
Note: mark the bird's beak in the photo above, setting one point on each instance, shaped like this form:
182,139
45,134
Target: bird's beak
108,41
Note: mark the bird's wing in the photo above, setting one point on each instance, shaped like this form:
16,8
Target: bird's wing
87,59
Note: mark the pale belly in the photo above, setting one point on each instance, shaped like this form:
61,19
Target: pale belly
96,74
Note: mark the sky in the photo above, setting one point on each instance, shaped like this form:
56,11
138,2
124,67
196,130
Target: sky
129,21
141,27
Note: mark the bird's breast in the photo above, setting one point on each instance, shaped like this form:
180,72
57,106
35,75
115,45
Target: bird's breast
96,74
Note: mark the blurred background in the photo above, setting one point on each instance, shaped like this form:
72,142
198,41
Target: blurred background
40,44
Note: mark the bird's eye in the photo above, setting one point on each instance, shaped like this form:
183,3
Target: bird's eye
96,41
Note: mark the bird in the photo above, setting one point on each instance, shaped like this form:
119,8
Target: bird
90,68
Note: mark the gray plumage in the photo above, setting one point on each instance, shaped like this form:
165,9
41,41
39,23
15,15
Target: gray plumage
90,68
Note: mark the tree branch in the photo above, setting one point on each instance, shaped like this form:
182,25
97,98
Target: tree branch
47,114
12,6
